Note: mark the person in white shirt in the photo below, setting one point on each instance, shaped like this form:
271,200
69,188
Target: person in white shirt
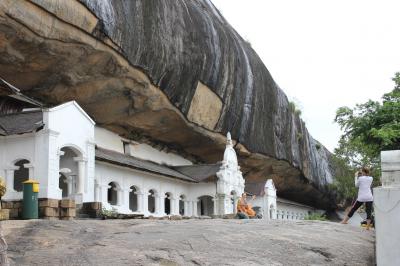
363,181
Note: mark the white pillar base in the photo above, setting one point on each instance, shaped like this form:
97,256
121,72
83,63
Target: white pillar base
387,221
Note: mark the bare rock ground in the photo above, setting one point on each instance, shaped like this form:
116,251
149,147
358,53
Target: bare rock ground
187,242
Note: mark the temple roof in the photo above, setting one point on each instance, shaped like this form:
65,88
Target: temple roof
199,172
20,123
138,164
6,89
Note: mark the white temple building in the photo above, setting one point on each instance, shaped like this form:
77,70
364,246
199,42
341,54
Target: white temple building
92,164
71,157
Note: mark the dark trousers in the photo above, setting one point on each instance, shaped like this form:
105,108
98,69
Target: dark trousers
368,207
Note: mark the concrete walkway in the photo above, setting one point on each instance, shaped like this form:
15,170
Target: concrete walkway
187,242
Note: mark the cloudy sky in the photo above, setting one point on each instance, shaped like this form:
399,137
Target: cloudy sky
323,53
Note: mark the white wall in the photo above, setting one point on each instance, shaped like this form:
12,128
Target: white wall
387,210
125,178
13,149
147,152
66,125
108,140
292,211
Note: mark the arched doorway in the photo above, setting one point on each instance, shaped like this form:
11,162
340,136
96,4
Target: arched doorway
205,206
182,205
151,201
133,202
20,175
112,193
167,203
69,168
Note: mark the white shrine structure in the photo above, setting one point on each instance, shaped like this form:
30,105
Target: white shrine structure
89,163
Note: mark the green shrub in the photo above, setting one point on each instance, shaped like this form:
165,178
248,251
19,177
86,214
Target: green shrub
109,214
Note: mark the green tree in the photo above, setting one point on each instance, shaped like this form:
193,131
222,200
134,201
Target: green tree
343,185
370,128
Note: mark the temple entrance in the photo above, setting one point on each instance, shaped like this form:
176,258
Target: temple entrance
69,181
167,203
133,204
205,206
151,201
112,193
20,175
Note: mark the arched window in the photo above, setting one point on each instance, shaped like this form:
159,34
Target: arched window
20,175
182,205
206,206
151,205
133,204
167,203
112,193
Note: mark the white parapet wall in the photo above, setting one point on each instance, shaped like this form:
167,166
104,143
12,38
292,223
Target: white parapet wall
387,211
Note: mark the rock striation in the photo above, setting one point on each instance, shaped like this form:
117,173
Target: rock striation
172,73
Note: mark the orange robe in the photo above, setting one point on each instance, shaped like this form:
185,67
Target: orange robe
243,206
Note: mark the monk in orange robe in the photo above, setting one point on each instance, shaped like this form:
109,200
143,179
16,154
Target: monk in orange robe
244,207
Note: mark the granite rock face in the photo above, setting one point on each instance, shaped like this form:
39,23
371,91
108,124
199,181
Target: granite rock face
171,73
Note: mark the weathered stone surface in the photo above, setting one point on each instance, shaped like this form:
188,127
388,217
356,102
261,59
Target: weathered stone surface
53,203
205,108
4,214
67,212
187,242
136,72
67,203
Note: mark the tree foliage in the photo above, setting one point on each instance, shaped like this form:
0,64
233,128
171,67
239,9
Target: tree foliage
368,128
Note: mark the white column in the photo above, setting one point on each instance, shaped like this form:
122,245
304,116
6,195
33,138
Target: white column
125,197
189,208
185,208
194,203
90,170
387,210
119,196
140,201
103,192
30,167
216,205
177,206
96,191
161,199
81,174
10,178
70,182
146,202
157,204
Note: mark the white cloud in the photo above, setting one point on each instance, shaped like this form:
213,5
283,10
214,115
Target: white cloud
324,53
